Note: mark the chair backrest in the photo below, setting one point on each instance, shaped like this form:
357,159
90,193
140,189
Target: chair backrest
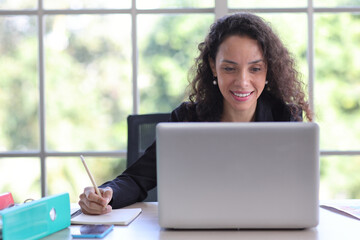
141,134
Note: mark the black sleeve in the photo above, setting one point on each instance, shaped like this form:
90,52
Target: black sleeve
132,185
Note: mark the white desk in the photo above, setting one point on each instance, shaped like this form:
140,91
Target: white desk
145,226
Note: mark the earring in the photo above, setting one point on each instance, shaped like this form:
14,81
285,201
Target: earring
215,81
266,84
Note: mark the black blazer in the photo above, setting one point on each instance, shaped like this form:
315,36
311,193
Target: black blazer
132,185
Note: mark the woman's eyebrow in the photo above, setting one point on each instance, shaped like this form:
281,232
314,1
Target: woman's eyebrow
256,61
251,62
229,61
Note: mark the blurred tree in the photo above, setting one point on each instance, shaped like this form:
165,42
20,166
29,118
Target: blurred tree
94,74
169,52
18,84
337,83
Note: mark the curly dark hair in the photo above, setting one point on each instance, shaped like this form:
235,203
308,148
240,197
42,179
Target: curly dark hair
283,78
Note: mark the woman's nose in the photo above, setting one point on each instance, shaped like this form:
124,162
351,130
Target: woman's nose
242,79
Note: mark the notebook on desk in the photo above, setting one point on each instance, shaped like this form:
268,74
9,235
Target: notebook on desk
238,175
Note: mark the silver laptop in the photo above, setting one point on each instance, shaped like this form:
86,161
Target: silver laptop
238,175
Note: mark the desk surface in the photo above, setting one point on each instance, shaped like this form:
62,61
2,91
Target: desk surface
145,226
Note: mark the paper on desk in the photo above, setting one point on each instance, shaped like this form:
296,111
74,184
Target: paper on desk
116,217
348,206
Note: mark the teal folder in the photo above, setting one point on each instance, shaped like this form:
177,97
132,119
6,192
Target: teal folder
36,219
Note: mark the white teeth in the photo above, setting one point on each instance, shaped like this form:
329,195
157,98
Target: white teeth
242,95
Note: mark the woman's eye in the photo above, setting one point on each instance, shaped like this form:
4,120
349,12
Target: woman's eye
229,69
256,69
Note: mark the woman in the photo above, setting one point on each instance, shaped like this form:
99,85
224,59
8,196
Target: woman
243,73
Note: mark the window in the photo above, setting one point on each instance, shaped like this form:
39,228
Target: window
73,70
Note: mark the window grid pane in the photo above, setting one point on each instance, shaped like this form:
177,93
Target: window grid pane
18,4
267,4
339,177
336,3
96,75
23,182
87,4
156,4
337,85
19,96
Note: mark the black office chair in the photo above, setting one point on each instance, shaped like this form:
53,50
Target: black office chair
141,134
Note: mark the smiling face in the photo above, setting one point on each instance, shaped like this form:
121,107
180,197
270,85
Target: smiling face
241,72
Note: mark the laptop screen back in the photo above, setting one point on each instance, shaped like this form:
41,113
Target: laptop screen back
238,175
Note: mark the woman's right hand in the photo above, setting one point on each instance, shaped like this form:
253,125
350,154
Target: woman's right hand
93,204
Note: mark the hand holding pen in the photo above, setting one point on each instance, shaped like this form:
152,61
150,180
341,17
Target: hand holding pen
94,200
